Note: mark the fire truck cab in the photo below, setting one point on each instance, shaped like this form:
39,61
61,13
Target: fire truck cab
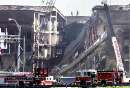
85,77
102,78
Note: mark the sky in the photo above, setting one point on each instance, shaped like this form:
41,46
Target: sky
84,7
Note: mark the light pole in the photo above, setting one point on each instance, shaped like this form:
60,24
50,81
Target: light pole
19,34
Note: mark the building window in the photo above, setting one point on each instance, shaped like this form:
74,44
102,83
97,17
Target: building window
53,13
53,19
28,35
126,35
3,30
59,51
43,22
28,47
54,23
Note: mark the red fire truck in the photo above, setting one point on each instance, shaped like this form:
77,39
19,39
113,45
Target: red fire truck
83,78
109,77
93,77
106,77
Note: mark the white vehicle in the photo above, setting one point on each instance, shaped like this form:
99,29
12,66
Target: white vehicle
48,81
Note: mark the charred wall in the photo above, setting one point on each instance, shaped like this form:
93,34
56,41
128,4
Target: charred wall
31,18
25,19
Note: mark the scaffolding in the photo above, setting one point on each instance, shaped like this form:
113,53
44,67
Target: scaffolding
8,39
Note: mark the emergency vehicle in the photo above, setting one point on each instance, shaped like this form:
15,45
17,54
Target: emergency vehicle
118,76
39,76
99,78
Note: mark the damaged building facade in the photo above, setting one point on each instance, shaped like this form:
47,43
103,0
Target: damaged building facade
43,32
103,57
97,50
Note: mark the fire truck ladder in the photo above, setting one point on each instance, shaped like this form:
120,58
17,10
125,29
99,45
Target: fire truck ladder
114,40
120,66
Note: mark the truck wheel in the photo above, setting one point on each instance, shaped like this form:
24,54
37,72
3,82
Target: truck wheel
103,83
83,84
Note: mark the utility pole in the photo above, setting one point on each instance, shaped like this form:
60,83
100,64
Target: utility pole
18,52
24,50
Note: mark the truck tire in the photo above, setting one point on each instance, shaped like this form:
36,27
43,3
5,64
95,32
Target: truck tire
83,84
103,83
